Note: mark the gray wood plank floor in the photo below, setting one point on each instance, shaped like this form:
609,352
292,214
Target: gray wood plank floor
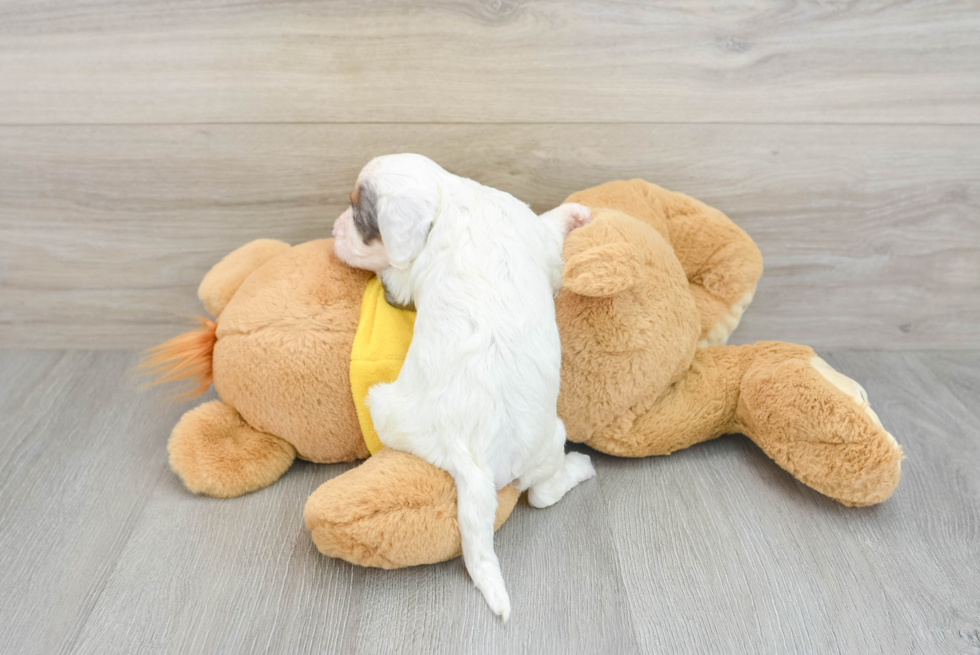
713,549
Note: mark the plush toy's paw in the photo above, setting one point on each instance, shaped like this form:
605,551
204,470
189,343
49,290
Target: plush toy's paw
817,424
883,456
216,453
576,468
852,389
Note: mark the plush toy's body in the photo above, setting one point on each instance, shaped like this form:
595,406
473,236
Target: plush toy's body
652,290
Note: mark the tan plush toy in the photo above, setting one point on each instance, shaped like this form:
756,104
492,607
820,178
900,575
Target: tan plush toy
653,288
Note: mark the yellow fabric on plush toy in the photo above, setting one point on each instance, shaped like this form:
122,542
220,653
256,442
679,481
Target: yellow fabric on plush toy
380,345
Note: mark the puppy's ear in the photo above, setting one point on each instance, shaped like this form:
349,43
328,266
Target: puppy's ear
603,270
404,223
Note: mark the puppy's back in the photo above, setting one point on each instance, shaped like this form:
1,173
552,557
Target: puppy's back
485,356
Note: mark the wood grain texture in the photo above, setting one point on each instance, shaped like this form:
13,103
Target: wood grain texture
80,453
870,234
201,576
733,548
161,61
960,373
204,576
713,549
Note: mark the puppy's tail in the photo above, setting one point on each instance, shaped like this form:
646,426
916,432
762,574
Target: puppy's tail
185,357
476,502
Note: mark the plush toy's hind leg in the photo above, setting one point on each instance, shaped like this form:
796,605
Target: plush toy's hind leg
811,420
216,453
817,424
393,510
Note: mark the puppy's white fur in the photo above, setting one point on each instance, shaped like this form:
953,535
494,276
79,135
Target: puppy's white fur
477,393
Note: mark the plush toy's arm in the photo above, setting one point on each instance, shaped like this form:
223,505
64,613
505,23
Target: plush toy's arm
392,511
721,261
223,280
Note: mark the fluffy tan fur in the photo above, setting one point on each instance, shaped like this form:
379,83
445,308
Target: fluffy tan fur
223,456
398,511
653,287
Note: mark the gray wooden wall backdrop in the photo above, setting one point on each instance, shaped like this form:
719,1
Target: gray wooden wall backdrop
141,140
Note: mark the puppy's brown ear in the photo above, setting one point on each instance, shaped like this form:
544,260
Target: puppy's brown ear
602,271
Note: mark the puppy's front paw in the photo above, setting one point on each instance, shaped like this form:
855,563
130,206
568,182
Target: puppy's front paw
575,215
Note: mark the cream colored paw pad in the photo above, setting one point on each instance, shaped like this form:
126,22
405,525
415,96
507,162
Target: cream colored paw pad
851,388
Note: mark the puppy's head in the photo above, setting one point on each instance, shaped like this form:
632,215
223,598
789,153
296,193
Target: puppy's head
393,206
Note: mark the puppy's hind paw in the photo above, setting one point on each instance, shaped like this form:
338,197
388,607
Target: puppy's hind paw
567,217
576,468
579,467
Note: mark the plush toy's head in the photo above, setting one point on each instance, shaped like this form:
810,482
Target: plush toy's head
624,292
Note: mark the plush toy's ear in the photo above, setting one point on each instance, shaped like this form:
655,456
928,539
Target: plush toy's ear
224,278
602,271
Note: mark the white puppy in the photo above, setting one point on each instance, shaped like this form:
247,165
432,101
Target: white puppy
477,393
